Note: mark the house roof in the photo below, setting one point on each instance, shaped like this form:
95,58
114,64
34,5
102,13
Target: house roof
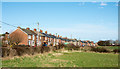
89,42
52,36
46,35
84,42
39,33
29,32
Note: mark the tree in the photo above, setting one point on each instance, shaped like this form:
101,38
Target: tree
104,43
15,39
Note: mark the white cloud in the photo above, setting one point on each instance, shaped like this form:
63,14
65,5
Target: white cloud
103,4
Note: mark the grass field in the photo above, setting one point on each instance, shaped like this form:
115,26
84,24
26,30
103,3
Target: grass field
64,59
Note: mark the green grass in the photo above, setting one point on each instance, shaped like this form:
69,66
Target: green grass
71,59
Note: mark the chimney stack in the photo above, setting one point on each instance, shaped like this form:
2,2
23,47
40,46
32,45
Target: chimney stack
50,34
18,27
46,32
35,29
41,31
28,28
6,35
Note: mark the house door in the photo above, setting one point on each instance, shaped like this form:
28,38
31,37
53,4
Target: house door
33,43
29,43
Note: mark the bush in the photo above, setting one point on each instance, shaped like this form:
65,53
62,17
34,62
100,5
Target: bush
61,46
86,48
5,52
71,47
20,51
76,48
37,49
116,50
12,53
45,49
99,49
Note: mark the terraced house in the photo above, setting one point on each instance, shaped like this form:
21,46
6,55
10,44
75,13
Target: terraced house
36,38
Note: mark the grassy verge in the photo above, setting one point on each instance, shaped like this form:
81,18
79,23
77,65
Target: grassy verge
65,59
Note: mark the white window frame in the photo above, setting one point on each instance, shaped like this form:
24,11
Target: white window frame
29,36
33,37
40,37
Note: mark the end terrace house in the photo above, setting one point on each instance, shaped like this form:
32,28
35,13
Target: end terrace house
24,36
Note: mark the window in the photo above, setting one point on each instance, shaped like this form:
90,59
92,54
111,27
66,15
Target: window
40,37
33,37
29,36
45,38
29,43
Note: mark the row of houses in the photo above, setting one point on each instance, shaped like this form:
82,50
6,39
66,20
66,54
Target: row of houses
29,37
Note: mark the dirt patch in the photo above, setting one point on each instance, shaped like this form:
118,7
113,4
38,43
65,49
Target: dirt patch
58,60
56,54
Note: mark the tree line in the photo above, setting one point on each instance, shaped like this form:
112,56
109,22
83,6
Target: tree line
108,43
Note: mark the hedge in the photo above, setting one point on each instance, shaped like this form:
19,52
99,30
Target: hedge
100,49
23,50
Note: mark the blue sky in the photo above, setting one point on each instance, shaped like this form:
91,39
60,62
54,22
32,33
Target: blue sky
85,20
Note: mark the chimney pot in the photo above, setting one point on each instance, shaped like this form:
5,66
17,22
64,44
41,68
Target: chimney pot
28,28
50,34
35,29
18,27
46,32
41,31
6,33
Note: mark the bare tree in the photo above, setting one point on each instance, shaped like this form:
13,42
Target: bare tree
15,39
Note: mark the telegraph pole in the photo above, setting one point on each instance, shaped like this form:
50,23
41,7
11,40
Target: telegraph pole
56,34
38,35
71,36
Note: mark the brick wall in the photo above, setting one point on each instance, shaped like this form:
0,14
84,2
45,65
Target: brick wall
19,33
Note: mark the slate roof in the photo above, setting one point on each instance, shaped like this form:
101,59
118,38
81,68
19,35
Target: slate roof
89,42
39,33
82,41
61,38
46,35
52,36
29,32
